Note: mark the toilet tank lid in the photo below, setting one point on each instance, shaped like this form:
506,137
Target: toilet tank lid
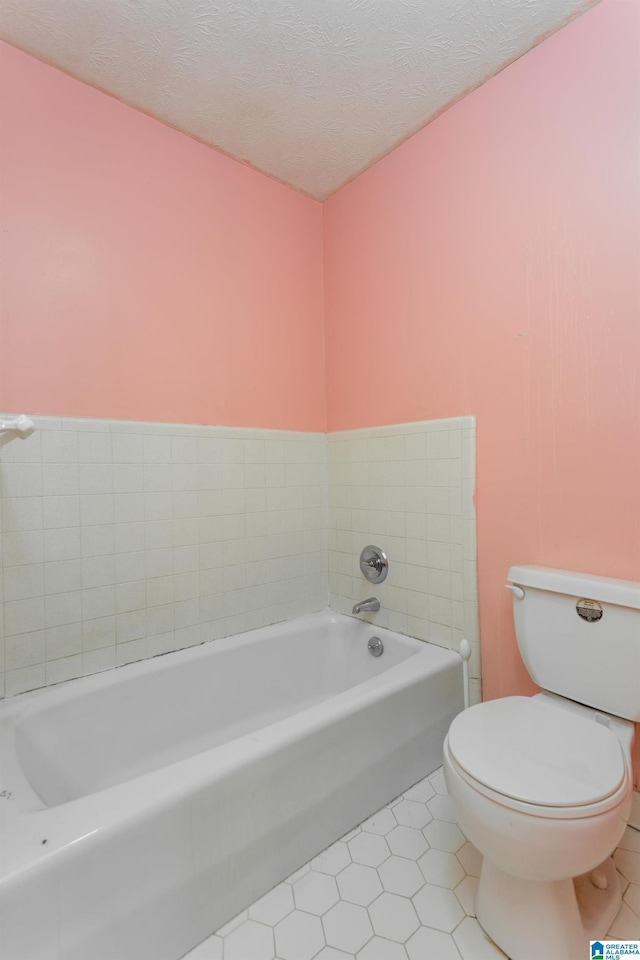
540,754
624,593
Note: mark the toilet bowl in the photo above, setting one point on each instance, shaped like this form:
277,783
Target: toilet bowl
543,790
542,785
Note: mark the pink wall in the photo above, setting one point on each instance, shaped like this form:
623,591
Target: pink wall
490,266
147,276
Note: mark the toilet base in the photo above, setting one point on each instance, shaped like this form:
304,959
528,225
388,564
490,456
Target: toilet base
528,919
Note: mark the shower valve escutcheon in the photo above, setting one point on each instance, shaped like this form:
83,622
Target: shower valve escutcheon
374,564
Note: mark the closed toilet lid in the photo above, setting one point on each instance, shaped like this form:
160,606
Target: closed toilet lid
523,748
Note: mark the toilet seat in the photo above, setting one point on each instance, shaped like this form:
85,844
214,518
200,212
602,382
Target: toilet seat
537,758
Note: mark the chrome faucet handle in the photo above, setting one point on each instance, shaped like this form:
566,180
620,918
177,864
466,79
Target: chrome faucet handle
374,564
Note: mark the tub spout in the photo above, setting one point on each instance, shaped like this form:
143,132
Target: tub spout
372,605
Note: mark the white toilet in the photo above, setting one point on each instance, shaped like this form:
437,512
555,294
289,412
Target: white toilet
542,785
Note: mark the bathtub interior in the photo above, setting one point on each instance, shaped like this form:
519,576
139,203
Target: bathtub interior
97,734
147,868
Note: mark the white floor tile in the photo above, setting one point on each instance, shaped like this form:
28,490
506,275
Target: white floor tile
381,822
437,782
628,863
380,949
422,792
393,917
427,943
347,927
332,860
632,897
441,868
631,840
359,884
315,893
626,925
369,849
438,908
401,876
624,883
441,808
466,893
390,890
409,813
407,842
250,939
330,953
444,836
298,937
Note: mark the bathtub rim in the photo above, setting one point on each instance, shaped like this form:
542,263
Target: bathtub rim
29,700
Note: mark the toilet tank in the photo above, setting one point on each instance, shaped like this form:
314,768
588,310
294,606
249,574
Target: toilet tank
579,636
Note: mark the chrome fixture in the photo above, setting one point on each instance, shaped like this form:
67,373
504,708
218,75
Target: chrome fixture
374,564
375,647
372,605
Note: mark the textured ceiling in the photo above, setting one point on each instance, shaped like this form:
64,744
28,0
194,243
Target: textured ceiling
309,91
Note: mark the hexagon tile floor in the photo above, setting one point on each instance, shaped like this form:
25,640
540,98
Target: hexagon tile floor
399,887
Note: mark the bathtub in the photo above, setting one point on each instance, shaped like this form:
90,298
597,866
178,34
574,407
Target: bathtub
142,808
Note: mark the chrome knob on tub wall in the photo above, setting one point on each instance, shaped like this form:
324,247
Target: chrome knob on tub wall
374,564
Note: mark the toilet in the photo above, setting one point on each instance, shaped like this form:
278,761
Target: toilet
542,785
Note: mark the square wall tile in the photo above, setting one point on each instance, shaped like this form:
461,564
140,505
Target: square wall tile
110,527
122,540
413,485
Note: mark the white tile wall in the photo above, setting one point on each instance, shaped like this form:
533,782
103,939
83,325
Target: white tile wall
408,488
122,540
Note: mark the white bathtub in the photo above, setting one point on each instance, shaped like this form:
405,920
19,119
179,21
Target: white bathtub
142,808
